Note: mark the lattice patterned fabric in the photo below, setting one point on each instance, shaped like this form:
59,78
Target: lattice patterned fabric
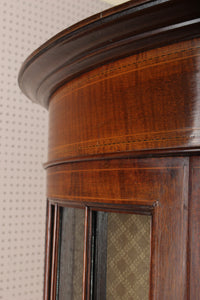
128,257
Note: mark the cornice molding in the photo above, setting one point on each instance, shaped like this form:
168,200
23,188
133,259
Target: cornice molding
127,29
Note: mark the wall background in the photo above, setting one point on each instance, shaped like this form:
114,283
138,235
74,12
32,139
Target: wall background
25,25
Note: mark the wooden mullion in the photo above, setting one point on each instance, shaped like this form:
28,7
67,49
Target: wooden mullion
48,250
87,254
169,240
193,259
55,253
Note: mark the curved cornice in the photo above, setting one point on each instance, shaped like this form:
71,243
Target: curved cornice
127,29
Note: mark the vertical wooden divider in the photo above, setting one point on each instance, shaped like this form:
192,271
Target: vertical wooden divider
169,240
194,230
48,250
87,254
55,253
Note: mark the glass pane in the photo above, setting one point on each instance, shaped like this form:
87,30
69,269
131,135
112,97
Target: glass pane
70,264
128,256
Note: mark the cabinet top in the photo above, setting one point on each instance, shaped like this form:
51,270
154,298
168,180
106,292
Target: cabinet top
127,29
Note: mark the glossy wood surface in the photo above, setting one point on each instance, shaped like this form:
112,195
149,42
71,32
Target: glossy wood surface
194,230
169,245
143,102
114,181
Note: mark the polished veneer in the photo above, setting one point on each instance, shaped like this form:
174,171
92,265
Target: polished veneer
137,103
122,90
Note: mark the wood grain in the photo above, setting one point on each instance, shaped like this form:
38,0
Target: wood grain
138,103
169,243
139,182
194,230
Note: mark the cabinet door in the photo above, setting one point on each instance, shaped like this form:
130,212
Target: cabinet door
120,229
120,255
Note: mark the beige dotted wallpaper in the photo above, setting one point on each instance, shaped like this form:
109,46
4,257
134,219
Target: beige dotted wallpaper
25,25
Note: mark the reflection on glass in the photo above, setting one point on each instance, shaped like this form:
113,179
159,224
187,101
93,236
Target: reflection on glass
70,269
128,256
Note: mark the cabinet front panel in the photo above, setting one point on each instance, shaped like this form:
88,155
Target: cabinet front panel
154,187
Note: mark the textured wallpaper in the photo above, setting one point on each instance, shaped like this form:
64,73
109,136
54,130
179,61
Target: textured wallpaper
25,25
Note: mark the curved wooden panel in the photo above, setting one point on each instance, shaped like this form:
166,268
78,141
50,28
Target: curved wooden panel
146,101
124,181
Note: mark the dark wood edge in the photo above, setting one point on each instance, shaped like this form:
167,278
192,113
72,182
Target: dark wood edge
81,24
48,250
109,207
194,225
55,253
129,154
158,214
58,255
125,209
87,254
191,166
187,188
142,27
152,275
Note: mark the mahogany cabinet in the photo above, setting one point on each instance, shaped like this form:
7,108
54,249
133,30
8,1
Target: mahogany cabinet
123,172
